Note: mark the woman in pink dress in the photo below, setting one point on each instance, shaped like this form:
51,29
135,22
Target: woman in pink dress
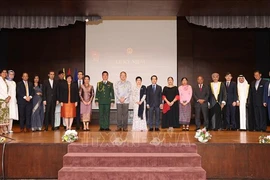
87,94
185,93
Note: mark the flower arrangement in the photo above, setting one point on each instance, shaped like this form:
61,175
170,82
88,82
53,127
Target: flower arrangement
2,139
203,135
264,139
70,136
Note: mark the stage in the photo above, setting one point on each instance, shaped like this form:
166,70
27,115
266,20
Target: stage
228,155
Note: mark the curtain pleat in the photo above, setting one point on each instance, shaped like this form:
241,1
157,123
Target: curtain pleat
41,22
230,22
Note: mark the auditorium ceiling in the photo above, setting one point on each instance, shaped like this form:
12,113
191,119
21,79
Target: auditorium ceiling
134,7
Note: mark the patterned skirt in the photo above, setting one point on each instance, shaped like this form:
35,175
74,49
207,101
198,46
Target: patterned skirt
184,114
4,113
68,110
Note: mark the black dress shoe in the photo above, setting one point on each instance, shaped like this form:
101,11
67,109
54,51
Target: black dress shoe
56,128
77,128
46,129
125,130
157,129
101,129
107,129
151,129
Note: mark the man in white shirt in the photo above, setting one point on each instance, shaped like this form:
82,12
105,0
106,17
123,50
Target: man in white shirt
217,100
49,100
122,94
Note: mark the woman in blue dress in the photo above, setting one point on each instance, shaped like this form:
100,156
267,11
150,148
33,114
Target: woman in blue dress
38,109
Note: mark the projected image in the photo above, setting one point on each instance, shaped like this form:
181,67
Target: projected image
138,47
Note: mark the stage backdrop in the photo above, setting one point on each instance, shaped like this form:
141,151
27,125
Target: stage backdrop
138,47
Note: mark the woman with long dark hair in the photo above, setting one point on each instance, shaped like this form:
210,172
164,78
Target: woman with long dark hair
38,108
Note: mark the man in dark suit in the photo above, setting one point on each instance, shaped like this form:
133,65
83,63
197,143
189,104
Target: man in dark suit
200,97
49,99
257,90
58,117
217,101
79,82
266,98
25,92
230,107
154,102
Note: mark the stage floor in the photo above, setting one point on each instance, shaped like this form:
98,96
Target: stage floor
94,136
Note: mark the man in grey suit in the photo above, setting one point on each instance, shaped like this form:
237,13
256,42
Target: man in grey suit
154,102
200,97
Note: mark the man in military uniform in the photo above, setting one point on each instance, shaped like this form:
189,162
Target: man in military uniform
104,99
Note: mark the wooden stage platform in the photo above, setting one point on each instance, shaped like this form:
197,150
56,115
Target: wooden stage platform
228,155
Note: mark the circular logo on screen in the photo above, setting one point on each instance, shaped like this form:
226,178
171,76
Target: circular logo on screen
129,50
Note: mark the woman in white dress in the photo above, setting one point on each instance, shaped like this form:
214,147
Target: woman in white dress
13,106
139,106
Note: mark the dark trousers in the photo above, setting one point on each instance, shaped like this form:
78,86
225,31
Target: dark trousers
204,110
25,113
104,116
215,115
230,116
122,115
49,114
78,116
260,118
155,110
268,107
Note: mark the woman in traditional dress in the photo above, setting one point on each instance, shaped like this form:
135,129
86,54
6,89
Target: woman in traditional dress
38,109
170,112
13,106
86,94
68,99
4,100
185,93
139,106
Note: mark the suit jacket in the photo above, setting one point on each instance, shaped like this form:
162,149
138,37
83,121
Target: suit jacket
154,99
58,84
265,93
64,95
231,92
21,92
200,94
257,95
222,95
105,93
49,93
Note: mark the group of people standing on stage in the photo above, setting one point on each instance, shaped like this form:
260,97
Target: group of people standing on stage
225,99
35,104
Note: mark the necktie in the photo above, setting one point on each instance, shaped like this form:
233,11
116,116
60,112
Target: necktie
80,83
26,89
200,87
228,84
154,88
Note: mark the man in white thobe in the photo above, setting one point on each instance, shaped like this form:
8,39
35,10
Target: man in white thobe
243,90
